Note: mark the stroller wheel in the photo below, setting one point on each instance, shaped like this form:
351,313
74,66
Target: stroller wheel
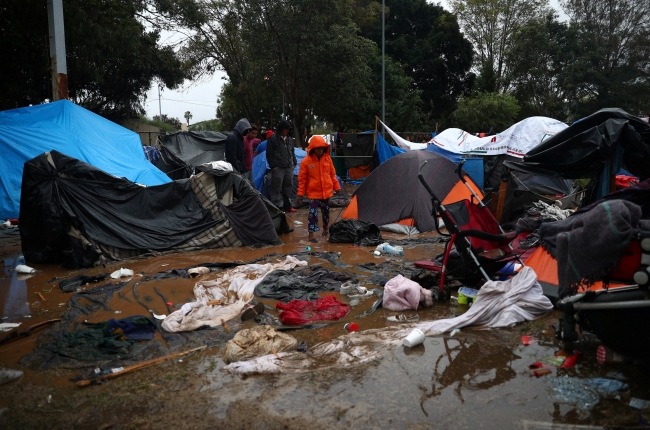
440,296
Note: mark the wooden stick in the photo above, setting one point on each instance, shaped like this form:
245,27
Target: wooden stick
26,332
213,302
41,296
142,365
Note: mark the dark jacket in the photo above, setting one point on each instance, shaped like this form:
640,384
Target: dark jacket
235,145
279,152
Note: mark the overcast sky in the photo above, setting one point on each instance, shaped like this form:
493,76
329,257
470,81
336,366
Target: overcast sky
201,98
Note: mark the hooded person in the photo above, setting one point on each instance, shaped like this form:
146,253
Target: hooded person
282,160
235,145
317,181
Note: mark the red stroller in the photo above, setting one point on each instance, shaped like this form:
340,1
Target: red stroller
482,247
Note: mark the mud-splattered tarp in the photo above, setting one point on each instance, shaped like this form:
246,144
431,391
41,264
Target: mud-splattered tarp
302,284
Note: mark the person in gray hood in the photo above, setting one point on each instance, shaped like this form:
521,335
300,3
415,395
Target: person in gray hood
282,160
235,145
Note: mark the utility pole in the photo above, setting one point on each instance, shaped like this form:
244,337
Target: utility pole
57,50
159,105
383,66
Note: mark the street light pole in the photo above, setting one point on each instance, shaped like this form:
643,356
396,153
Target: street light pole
383,67
159,105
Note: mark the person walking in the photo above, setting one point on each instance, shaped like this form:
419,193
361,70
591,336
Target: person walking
235,145
317,181
282,160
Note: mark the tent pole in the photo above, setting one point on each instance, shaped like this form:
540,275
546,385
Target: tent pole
383,68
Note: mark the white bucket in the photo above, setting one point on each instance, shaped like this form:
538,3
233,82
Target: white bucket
414,338
21,268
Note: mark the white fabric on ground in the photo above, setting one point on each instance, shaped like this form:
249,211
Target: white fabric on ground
499,304
240,280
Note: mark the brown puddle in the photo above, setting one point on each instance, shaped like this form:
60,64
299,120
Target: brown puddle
477,378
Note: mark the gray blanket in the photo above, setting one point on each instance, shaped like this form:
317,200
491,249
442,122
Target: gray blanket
588,246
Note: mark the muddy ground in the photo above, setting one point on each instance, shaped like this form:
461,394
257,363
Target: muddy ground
475,379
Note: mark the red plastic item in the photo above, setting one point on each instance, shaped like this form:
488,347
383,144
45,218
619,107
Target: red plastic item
351,327
170,304
528,340
298,312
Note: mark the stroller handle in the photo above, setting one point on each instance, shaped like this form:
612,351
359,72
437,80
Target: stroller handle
423,182
460,170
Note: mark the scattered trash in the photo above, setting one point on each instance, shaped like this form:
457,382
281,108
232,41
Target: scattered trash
584,393
351,327
8,326
256,342
401,294
377,253
351,287
386,248
298,312
49,399
414,338
122,273
454,332
466,296
362,293
25,332
158,317
142,365
252,311
540,372
560,359
605,355
302,347
639,403
308,248
21,268
297,223
8,375
118,312
403,318
528,340
197,271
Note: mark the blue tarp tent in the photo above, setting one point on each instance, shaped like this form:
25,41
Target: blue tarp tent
261,166
63,126
386,150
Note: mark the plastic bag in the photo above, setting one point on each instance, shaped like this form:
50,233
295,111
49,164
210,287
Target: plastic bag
354,231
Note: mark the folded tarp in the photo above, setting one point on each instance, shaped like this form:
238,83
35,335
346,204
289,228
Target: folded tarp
74,213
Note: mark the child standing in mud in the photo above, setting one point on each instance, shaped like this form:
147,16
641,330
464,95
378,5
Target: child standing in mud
317,182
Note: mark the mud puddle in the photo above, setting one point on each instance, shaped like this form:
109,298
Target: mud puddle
476,379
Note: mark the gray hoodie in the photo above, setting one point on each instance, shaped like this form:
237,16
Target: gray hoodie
235,145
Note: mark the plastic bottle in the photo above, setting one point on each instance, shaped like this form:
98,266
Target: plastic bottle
391,250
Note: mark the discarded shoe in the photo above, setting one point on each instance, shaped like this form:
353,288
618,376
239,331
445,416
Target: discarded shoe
252,312
352,288
363,292
403,318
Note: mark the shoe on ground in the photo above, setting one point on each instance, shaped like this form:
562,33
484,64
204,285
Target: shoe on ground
401,318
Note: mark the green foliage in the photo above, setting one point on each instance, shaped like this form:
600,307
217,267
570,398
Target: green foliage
157,123
112,58
426,40
173,122
485,110
208,125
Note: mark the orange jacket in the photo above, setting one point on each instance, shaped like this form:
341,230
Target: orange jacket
317,178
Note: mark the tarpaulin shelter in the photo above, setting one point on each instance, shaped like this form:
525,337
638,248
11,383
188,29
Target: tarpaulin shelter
182,151
393,194
595,147
78,215
63,126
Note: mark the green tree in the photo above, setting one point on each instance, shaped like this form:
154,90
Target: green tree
426,40
172,121
484,111
300,49
112,58
208,125
490,25
620,32
188,117
550,65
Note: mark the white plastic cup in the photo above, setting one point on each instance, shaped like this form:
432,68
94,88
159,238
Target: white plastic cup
21,268
414,338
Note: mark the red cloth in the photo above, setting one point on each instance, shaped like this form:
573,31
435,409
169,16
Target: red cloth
248,152
298,312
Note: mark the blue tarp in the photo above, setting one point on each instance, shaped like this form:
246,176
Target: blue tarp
28,132
386,150
261,166
447,154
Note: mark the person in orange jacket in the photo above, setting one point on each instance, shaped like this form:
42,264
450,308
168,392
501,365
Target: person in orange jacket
317,181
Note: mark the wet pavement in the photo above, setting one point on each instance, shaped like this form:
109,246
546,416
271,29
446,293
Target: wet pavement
476,379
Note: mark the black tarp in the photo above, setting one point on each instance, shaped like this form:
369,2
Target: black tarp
358,145
181,152
495,171
581,150
113,211
360,233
